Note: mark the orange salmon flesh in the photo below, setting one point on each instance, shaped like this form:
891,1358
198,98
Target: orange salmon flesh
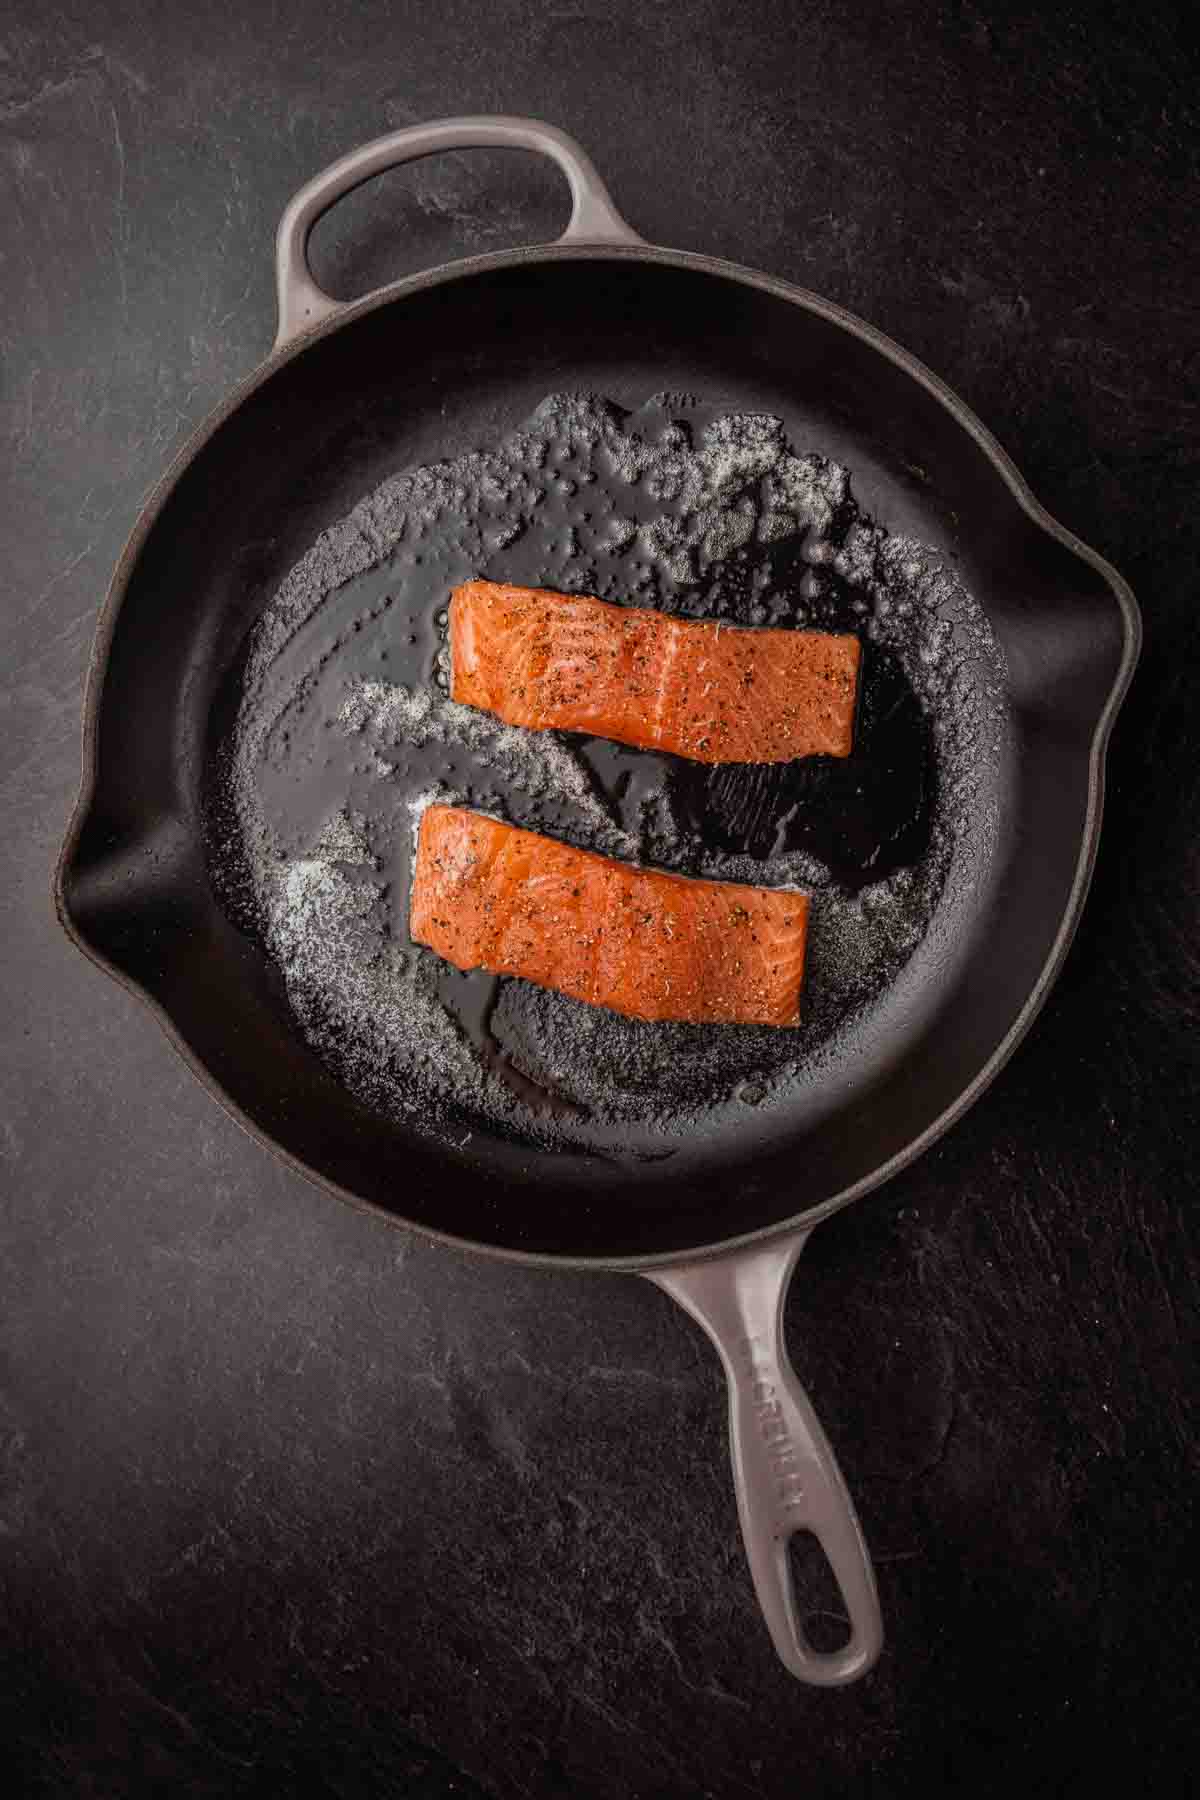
712,692
642,942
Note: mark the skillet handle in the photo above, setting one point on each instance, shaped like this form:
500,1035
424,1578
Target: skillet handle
302,304
784,1470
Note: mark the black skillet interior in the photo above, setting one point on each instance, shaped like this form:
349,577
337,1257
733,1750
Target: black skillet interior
455,364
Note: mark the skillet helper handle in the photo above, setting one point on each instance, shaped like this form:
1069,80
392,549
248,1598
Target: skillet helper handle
302,304
784,1470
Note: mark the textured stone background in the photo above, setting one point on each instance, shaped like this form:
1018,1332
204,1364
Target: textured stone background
286,1496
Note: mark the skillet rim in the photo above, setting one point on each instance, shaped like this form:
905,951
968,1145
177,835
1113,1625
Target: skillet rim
963,416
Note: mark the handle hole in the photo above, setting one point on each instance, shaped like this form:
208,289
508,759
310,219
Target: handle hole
819,1604
460,203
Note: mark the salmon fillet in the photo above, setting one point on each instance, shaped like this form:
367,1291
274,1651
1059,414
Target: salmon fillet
712,692
642,942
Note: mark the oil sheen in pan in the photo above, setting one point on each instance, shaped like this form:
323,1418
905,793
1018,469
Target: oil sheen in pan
341,730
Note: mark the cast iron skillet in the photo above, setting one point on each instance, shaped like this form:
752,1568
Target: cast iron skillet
450,360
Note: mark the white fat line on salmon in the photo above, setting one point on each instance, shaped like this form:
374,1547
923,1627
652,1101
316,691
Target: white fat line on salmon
674,644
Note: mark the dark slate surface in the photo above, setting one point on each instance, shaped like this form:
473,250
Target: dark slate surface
286,1497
